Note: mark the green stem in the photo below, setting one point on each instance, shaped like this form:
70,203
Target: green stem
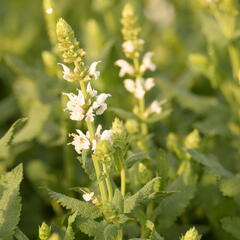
120,234
233,53
123,181
108,182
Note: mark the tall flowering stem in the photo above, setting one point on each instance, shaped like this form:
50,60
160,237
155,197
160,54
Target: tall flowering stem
137,67
87,103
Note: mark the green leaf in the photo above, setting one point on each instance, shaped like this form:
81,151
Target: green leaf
118,201
7,139
110,232
10,201
158,117
145,194
232,225
91,228
19,235
213,165
88,166
37,116
83,209
123,113
174,205
69,235
135,158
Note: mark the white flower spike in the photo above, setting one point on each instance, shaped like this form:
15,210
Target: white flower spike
92,70
125,67
147,63
80,141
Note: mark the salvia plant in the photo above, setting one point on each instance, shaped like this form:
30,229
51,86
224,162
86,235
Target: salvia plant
131,132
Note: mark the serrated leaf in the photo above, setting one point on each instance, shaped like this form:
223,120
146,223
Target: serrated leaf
19,235
135,158
123,113
7,139
174,205
10,201
91,228
88,166
118,201
144,194
213,165
37,116
232,225
158,117
83,209
110,232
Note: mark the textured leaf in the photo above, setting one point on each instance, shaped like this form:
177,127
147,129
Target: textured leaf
91,228
135,158
158,117
123,113
118,201
232,225
19,235
10,201
174,205
213,165
144,194
110,232
7,139
37,116
230,186
83,209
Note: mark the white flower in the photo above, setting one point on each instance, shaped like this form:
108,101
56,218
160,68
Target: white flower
88,196
66,72
74,105
106,135
139,87
128,46
125,67
149,83
147,63
155,107
49,10
99,104
80,141
92,70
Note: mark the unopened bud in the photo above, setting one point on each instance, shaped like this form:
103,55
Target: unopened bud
44,231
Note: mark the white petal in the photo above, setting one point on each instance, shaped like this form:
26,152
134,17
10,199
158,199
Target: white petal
147,62
76,115
139,92
101,98
90,115
88,196
128,46
130,85
149,83
107,135
92,70
155,107
125,67
66,71
90,91
81,99
101,109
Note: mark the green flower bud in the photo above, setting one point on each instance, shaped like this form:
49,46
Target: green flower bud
119,131
68,44
193,139
103,152
44,231
132,126
191,234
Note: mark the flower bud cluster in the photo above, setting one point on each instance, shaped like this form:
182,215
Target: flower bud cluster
44,231
132,44
191,234
68,44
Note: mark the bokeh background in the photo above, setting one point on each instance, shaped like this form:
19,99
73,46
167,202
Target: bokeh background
194,59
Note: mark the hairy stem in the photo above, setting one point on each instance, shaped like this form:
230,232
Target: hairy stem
123,181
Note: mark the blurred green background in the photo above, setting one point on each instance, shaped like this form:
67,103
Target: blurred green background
194,58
